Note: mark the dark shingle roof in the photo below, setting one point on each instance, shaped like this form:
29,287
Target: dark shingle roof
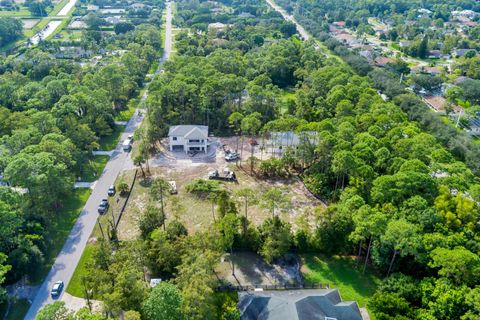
296,305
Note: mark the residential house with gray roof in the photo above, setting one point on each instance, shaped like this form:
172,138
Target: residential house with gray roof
188,138
318,304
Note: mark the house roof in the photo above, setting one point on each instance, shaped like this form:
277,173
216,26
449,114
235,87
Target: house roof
217,25
462,52
296,305
291,138
425,69
381,61
189,131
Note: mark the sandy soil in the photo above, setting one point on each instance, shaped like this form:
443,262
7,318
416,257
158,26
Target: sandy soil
251,270
29,23
197,213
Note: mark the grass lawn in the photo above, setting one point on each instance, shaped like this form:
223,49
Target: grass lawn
94,168
126,114
286,97
20,13
108,143
69,35
61,226
18,310
75,287
340,272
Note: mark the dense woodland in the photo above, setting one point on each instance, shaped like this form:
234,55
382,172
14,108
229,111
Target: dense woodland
401,186
11,29
53,113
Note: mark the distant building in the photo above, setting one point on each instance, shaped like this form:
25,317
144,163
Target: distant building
424,11
465,13
112,20
290,138
92,7
137,6
346,38
324,304
457,53
246,15
426,70
339,24
461,80
381,61
154,282
434,54
439,104
188,138
72,53
218,26
474,126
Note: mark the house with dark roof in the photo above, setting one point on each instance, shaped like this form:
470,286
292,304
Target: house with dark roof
462,52
318,304
188,138
381,61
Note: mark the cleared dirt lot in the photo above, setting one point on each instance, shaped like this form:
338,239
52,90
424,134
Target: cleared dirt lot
29,23
197,213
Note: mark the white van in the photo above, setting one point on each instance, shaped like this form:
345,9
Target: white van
127,145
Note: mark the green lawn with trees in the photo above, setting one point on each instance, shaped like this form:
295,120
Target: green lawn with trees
76,287
110,141
343,273
94,168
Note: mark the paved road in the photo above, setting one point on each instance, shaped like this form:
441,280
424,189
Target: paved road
128,164
46,31
66,9
300,29
72,250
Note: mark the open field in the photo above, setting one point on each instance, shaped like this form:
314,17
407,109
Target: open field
69,35
21,13
198,214
29,23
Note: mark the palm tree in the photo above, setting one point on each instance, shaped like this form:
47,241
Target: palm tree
138,161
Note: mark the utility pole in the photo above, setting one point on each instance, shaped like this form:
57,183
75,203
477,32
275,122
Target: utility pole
161,203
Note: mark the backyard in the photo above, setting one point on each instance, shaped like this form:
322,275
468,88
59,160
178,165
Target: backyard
340,272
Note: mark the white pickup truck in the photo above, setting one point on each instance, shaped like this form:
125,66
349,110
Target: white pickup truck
127,143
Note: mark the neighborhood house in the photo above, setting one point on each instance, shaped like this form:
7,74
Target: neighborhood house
188,138
324,304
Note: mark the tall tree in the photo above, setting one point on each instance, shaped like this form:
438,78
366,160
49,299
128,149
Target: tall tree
163,302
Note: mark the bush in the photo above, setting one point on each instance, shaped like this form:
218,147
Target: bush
202,188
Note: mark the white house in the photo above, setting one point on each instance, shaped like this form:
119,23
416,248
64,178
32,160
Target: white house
281,141
188,138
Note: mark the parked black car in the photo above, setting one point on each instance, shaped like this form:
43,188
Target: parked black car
57,289
103,207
